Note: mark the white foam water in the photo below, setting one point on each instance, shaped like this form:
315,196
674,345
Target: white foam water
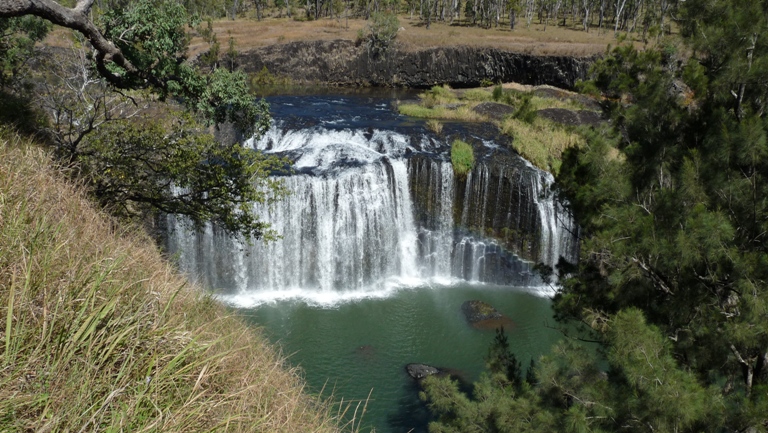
347,229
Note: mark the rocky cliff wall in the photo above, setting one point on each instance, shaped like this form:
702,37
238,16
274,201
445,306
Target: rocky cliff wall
342,62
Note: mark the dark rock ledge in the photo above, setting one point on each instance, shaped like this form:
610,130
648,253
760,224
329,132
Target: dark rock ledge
342,62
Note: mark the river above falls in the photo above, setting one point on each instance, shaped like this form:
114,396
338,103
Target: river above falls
380,244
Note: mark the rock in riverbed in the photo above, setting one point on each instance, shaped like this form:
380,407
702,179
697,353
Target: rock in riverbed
420,371
482,315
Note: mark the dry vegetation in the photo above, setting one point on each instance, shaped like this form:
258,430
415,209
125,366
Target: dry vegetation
98,333
249,33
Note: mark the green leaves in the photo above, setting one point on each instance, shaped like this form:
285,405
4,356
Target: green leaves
137,167
152,36
17,42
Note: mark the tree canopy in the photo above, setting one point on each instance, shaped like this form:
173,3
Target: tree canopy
136,165
673,275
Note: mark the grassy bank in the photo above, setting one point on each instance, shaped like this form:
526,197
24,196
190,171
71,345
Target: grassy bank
540,141
97,332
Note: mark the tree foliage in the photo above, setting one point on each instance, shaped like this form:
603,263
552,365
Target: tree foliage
17,42
135,165
673,277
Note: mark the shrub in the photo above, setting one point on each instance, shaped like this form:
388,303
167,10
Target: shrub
498,92
382,30
437,95
434,126
462,157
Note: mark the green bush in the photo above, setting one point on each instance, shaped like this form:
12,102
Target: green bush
382,30
462,157
498,92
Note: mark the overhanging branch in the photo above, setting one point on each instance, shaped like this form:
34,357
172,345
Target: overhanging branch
75,19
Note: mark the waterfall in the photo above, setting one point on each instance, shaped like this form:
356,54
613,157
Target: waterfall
370,211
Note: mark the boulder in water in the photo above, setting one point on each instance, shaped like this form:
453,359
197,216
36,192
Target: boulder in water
482,315
421,371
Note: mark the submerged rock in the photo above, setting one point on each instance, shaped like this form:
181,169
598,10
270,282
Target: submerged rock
365,351
482,315
420,371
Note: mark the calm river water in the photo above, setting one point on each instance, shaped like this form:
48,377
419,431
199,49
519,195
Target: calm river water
362,347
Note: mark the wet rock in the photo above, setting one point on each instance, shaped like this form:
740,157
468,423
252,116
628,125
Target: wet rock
482,315
494,110
476,311
420,371
567,117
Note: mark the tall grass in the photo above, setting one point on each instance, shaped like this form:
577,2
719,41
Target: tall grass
98,333
541,142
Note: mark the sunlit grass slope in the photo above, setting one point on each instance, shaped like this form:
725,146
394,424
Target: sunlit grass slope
97,333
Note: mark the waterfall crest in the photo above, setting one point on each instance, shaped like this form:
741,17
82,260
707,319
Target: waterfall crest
371,211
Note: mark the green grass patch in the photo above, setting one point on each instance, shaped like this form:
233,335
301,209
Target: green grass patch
462,157
479,95
541,142
435,126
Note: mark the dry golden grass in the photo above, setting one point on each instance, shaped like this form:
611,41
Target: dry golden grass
249,33
98,333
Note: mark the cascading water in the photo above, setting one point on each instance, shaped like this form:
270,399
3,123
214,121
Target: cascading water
374,206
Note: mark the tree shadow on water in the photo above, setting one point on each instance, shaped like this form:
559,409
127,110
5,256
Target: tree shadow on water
412,415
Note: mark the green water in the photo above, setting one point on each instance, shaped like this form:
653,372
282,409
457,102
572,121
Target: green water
362,347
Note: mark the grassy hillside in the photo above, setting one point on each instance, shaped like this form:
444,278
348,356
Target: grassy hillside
97,332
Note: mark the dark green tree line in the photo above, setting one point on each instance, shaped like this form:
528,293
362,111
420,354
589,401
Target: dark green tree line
673,275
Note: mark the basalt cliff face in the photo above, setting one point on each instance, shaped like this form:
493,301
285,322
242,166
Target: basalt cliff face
342,62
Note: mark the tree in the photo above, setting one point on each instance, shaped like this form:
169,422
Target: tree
673,277
143,46
170,166
382,31
500,360
679,231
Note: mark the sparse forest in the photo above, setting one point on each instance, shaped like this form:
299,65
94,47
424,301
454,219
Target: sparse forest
650,18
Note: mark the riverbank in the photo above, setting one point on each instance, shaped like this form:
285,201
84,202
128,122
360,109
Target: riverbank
101,333
542,121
